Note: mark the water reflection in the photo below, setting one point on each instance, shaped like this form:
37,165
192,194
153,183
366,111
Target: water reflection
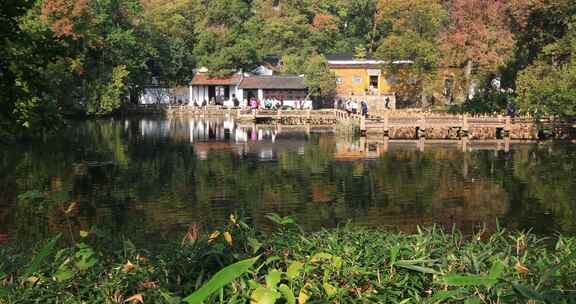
150,179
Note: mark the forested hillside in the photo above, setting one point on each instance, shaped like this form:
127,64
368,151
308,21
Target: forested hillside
79,56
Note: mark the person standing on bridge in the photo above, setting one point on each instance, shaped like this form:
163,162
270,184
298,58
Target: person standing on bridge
511,109
364,108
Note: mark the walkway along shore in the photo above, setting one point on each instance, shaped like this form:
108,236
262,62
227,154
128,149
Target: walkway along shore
392,124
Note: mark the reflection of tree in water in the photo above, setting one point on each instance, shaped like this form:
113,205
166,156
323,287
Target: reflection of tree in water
151,187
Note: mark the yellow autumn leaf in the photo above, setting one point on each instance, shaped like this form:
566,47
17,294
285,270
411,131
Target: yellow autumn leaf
137,298
32,280
70,208
228,237
303,297
214,235
83,233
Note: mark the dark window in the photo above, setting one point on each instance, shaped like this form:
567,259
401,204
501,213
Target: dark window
374,81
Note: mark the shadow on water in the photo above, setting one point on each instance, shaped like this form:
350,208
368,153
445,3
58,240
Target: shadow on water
149,179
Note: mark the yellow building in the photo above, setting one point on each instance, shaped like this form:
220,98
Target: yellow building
364,80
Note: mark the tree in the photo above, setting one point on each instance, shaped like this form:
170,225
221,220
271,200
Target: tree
545,89
223,43
479,38
172,28
22,56
320,80
413,28
360,53
548,85
99,37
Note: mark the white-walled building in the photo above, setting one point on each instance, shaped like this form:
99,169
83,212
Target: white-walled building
204,89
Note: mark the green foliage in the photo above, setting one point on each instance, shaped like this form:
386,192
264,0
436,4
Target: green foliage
360,53
320,80
545,89
430,266
493,102
63,57
546,69
111,94
39,258
413,32
220,280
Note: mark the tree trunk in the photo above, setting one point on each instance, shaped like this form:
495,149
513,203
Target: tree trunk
468,78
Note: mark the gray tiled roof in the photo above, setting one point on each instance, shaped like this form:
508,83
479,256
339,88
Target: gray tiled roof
273,82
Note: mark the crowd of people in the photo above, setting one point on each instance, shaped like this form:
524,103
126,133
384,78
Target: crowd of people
271,103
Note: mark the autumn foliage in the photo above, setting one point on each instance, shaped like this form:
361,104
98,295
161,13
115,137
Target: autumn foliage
62,15
480,31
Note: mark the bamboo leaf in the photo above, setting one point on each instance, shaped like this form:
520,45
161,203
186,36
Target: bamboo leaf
527,292
303,296
287,294
254,244
221,279
294,270
417,268
468,280
273,278
264,296
496,270
330,290
473,301
39,258
63,274
442,296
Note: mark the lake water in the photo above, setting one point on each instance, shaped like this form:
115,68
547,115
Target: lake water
149,179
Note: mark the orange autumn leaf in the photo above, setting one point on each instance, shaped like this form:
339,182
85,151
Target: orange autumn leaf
521,268
128,267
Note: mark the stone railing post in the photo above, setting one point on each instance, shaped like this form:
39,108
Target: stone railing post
386,124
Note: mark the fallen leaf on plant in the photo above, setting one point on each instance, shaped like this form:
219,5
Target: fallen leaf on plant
128,267
117,297
148,285
32,279
521,268
137,298
213,236
70,208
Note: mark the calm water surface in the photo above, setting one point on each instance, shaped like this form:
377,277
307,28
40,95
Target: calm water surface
150,179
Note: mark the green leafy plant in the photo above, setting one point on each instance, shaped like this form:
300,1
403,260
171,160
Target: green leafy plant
220,279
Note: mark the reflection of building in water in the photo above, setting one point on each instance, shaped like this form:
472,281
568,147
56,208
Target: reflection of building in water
225,135
372,147
154,128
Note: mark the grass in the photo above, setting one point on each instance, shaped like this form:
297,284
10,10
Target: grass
344,265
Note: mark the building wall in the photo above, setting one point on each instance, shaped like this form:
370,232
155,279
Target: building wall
356,81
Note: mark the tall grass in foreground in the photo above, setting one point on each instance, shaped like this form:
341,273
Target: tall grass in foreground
345,265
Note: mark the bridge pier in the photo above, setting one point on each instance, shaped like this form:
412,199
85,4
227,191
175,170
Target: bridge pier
464,129
362,126
386,124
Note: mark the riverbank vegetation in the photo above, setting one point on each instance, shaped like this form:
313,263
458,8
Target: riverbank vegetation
63,57
344,265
